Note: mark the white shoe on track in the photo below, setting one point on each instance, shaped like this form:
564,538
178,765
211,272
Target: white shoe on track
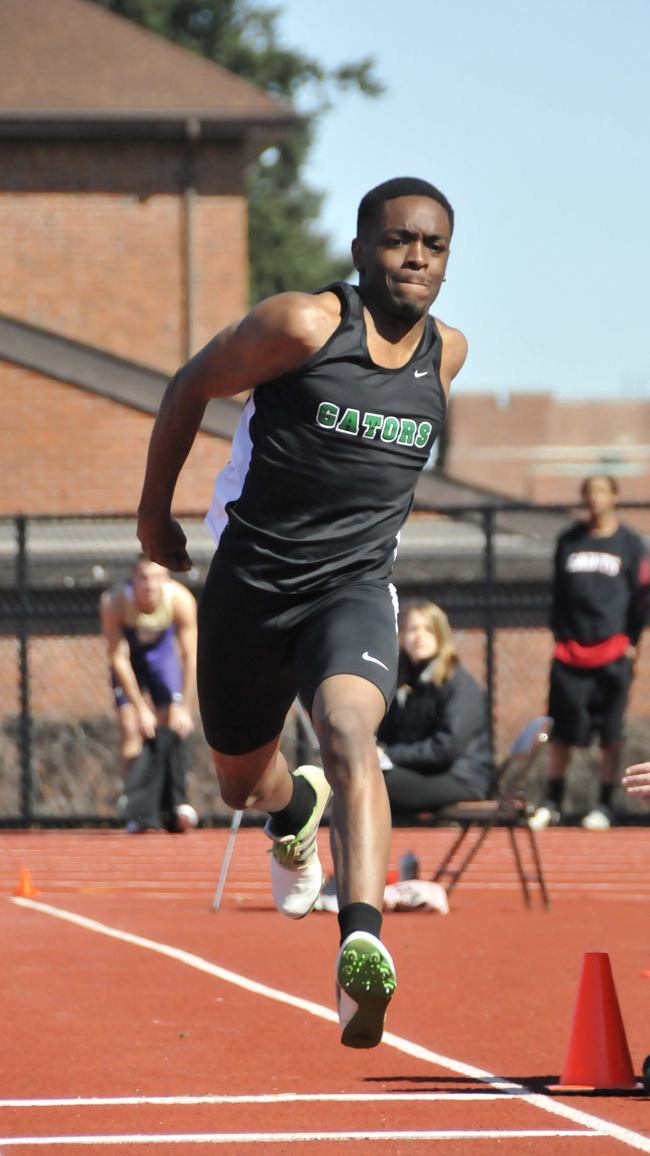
296,872
545,816
186,817
597,820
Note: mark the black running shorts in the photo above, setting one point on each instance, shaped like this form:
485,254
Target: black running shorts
258,650
585,703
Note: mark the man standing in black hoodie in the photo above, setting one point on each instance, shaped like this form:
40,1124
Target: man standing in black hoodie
598,613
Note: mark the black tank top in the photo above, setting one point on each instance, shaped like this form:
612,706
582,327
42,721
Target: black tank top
325,461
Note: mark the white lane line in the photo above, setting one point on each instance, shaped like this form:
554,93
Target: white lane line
293,1137
415,1051
277,1098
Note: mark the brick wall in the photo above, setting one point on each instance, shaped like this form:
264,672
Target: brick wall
67,451
221,265
538,448
93,244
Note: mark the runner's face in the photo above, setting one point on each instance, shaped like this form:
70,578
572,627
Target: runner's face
148,579
402,258
417,640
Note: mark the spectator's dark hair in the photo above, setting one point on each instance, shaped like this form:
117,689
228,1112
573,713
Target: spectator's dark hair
372,204
613,484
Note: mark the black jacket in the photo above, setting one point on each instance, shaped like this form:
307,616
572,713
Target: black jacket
432,729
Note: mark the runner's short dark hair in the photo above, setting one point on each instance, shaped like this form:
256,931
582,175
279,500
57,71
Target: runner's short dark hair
372,204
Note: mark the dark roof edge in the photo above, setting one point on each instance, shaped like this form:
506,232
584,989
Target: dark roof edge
194,124
102,373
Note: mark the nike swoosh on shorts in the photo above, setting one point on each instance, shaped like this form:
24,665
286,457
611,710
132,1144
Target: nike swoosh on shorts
369,658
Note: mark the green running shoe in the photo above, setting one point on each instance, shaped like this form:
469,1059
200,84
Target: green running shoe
365,984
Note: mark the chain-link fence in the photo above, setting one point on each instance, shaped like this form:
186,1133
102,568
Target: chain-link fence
488,567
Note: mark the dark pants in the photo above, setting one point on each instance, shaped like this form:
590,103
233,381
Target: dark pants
410,792
584,703
155,782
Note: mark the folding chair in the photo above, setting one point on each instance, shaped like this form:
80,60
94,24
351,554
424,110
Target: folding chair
507,807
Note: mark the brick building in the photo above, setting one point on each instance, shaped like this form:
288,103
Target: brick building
123,245
534,447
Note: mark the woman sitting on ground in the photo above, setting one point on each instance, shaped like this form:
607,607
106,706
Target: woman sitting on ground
433,744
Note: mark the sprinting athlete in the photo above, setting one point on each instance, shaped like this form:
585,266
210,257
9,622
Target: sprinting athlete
350,392
149,624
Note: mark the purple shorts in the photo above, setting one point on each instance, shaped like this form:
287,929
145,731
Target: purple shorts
156,667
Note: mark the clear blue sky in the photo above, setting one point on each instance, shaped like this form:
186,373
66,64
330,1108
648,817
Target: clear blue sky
534,119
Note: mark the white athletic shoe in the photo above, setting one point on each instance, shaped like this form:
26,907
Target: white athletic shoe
597,820
365,984
296,872
543,817
186,817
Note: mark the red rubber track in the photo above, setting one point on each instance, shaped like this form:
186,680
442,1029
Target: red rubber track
487,990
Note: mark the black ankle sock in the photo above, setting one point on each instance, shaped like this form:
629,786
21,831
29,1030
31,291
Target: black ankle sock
291,818
555,791
359,917
606,794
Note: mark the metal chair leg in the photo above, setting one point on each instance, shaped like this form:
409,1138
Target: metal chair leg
230,847
538,867
457,872
520,866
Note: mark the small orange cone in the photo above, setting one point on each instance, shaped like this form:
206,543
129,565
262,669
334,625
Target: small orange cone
598,1055
25,888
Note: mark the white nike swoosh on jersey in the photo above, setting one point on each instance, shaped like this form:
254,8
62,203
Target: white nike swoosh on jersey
421,372
369,658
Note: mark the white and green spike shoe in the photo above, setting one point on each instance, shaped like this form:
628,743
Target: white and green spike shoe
365,985
296,872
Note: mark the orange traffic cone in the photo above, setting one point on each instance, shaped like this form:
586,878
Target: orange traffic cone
598,1055
25,888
